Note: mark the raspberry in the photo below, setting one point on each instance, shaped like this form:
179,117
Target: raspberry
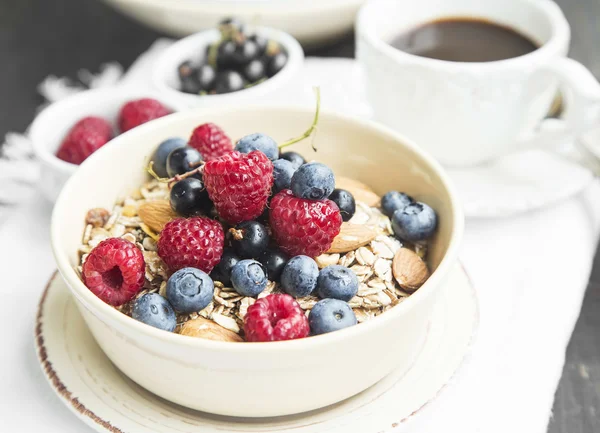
304,227
275,318
211,141
239,185
191,243
114,271
134,113
87,136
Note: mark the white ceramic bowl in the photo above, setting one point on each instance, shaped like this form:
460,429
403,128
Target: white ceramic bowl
312,22
263,379
166,80
53,123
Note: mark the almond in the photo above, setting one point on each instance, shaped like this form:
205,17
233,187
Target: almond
359,190
410,271
204,328
156,213
351,237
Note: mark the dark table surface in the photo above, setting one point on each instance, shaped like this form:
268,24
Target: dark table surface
39,38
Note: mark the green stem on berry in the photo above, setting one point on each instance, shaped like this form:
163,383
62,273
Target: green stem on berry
198,168
313,128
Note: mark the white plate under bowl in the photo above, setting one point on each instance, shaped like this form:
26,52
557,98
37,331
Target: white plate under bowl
509,186
94,389
312,22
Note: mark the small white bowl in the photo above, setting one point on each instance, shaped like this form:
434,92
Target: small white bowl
166,80
53,123
263,379
312,22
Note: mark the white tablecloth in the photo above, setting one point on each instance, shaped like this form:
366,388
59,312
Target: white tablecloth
530,273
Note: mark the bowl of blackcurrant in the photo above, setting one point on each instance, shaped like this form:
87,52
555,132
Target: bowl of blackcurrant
227,64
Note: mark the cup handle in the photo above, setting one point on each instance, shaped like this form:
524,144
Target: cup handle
581,101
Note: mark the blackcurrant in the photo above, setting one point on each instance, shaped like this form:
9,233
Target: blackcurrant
229,81
276,63
250,239
182,160
274,261
189,197
254,71
222,272
206,76
345,201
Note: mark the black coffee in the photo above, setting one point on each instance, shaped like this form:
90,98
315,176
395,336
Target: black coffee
464,40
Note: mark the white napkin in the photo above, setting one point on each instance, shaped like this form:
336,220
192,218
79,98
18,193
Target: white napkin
530,273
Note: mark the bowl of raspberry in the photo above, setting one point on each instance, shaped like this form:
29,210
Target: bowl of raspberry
66,132
229,268
230,63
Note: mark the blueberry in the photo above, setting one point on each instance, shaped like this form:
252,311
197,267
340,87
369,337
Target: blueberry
276,63
222,272
283,170
258,141
228,82
190,290
274,261
345,201
299,277
254,71
206,77
154,310
182,160
314,181
330,315
189,197
294,157
162,153
416,222
250,239
394,200
248,278
337,282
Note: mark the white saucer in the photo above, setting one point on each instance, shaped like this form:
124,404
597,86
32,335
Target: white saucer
93,388
509,186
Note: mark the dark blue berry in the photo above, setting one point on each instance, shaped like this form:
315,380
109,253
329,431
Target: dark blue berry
189,197
162,153
394,200
261,43
250,239
190,290
182,160
225,55
206,77
294,157
254,71
330,315
190,85
337,282
228,82
274,261
283,170
276,63
416,222
154,310
248,278
222,272
258,141
313,181
244,53
345,201
299,276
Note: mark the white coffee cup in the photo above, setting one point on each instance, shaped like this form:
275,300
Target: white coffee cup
469,113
